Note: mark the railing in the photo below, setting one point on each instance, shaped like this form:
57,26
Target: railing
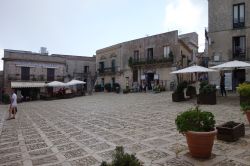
17,77
146,61
108,70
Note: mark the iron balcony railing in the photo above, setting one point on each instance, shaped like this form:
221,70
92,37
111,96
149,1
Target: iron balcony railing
150,61
108,70
17,77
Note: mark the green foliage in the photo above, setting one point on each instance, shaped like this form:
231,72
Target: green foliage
122,159
244,89
171,55
195,120
206,88
181,86
245,107
6,99
108,87
191,90
116,87
99,88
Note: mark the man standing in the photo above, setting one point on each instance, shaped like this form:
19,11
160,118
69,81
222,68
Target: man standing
13,105
222,84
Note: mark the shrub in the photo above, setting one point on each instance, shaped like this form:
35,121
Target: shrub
6,99
98,88
195,120
108,87
115,86
206,88
122,159
191,91
245,107
244,89
180,87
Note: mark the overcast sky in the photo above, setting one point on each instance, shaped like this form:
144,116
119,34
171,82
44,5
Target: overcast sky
80,27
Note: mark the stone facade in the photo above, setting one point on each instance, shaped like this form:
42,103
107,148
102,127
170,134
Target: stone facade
150,57
80,68
66,67
229,34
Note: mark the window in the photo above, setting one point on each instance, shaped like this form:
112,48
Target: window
25,73
86,69
150,54
166,51
113,65
239,15
101,67
239,47
136,55
102,83
50,74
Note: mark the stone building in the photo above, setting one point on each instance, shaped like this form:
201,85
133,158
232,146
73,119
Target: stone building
147,60
80,68
28,72
229,37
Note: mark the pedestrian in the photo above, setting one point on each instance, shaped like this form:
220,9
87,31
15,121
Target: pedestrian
13,105
222,84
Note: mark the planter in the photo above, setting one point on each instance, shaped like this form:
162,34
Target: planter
200,144
207,99
178,97
244,99
230,131
248,116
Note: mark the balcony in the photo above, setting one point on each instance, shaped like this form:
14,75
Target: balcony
144,62
41,78
108,71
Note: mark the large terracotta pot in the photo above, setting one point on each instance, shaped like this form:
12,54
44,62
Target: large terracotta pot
248,115
200,144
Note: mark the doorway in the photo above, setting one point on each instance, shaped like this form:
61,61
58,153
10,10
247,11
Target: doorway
239,77
150,79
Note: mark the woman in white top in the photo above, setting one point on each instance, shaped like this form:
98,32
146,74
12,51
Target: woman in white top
13,105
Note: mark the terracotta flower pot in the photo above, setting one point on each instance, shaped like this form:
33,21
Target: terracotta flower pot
248,116
200,144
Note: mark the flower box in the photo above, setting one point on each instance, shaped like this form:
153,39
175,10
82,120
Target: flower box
230,131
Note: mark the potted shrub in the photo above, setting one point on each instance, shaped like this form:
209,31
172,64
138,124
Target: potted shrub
244,91
230,131
245,108
98,88
207,94
116,87
122,159
191,91
178,94
108,87
199,128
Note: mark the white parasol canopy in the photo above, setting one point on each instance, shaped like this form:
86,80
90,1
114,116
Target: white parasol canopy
75,82
232,65
193,69
56,84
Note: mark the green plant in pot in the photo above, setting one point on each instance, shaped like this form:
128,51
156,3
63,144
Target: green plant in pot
191,91
245,108
244,91
207,94
199,128
178,94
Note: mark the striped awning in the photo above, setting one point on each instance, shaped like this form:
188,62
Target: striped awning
27,84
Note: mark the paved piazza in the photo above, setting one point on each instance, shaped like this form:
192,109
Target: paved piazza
85,131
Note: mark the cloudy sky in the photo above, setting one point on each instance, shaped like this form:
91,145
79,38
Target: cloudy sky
80,27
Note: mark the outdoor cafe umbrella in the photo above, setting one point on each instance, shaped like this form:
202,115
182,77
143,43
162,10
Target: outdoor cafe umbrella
231,65
193,69
75,82
55,84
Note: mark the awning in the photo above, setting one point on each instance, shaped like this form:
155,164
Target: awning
27,84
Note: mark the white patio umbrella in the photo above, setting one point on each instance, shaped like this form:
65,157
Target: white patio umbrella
55,84
75,82
232,65
193,69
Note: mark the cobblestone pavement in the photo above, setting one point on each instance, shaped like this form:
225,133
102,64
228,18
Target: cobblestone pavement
85,131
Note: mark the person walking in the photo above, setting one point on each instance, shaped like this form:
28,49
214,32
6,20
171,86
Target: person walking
13,105
222,84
